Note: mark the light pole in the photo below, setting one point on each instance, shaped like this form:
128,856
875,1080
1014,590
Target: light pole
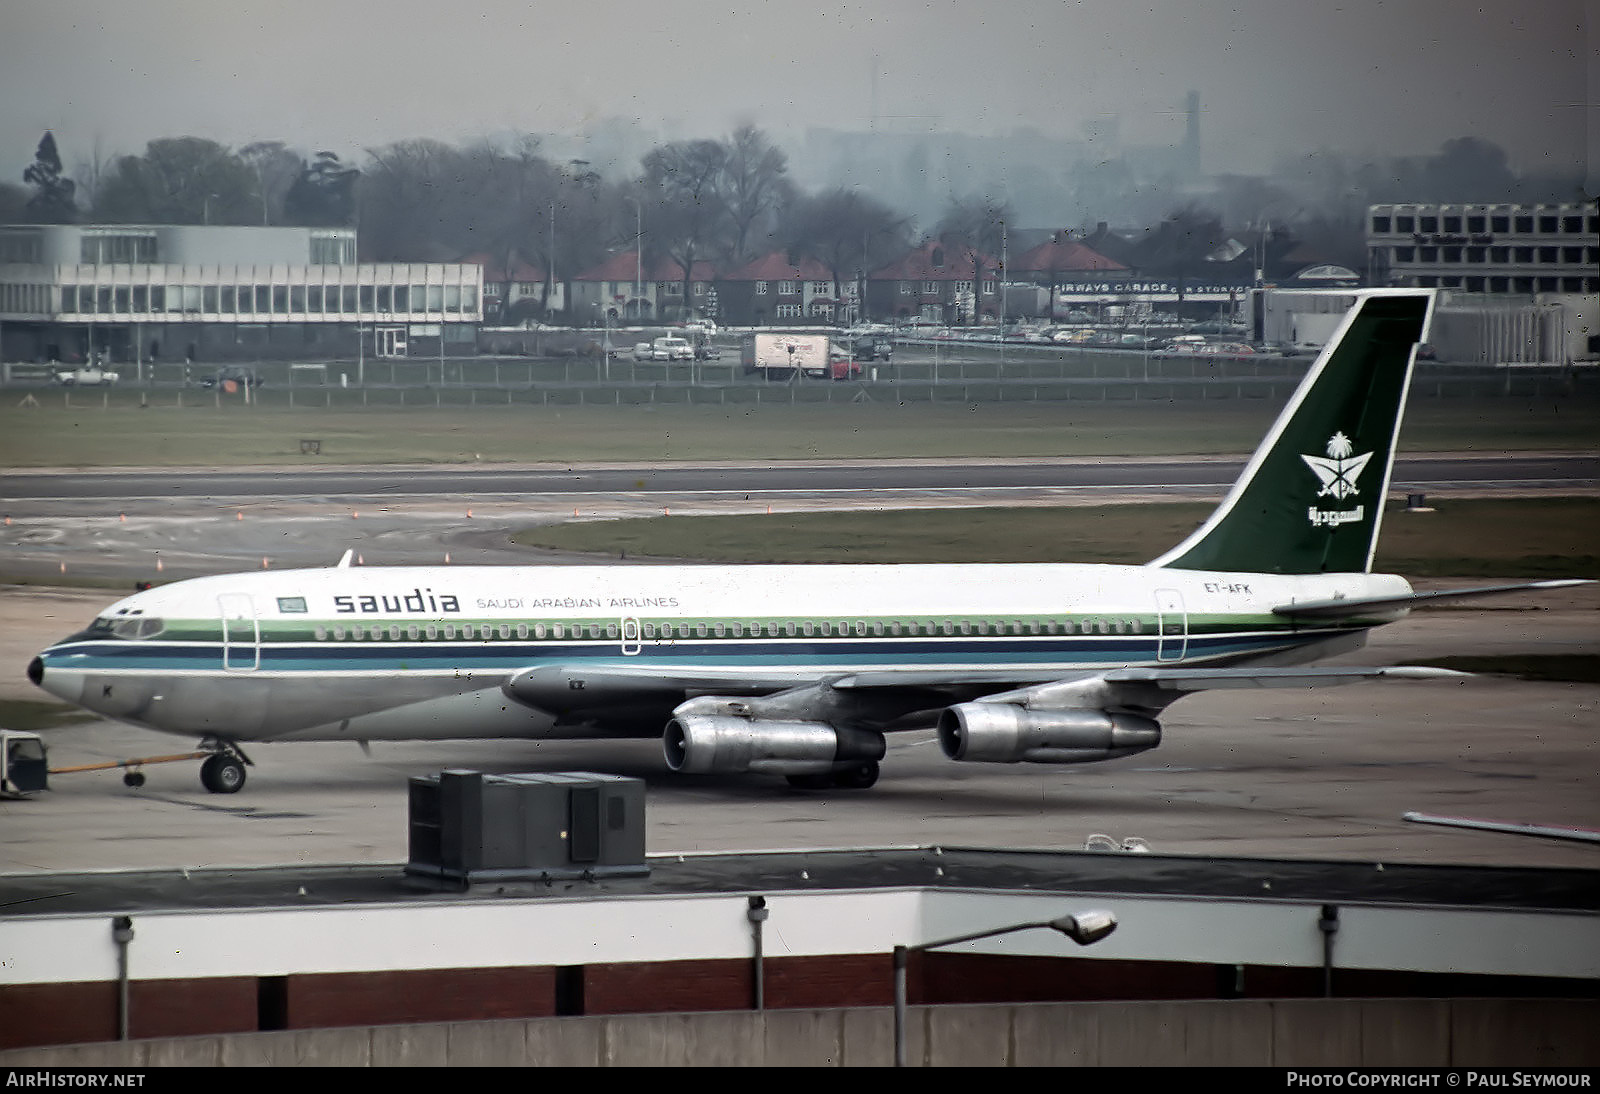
605,345
1084,928
638,253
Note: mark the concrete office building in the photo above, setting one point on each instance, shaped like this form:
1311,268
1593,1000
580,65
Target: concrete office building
155,294
1520,249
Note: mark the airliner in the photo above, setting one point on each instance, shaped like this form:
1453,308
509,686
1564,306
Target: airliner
800,671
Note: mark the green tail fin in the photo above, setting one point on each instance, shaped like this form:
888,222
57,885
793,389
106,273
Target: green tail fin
1311,498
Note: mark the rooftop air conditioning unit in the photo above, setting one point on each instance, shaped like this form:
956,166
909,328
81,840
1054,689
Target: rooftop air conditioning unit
467,827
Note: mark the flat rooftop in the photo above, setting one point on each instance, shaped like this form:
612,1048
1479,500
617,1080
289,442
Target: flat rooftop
955,868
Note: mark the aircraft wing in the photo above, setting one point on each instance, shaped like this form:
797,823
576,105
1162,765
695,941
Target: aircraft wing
1340,609
1207,679
575,690
570,688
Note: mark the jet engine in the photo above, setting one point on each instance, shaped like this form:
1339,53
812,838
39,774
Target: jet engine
702,744
1006,733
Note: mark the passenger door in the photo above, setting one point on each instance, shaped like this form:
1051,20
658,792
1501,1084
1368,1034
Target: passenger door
241,633
1172,625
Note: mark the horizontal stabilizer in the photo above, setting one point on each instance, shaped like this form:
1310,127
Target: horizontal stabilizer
1342,609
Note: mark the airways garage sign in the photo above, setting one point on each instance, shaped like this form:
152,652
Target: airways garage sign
1085,292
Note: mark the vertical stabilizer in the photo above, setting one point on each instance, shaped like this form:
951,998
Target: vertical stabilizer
1311,498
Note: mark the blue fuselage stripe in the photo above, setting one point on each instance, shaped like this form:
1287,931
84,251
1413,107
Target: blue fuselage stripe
477,657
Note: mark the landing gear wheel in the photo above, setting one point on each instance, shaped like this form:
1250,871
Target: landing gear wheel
134,779
859,776
811,782
222,774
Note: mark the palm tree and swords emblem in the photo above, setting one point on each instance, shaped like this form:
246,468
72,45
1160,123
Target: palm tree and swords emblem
1338,471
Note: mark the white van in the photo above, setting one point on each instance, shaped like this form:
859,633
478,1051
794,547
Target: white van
672,349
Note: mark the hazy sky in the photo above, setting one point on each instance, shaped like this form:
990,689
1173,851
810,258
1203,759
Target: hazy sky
1275,76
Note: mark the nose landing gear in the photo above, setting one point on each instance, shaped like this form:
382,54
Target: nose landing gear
223,772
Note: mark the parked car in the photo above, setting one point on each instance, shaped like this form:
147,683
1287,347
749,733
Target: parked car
872,347
642,351
1072,337
671,349
87,376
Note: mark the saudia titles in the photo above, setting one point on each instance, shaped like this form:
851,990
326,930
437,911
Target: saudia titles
417,600
1337,472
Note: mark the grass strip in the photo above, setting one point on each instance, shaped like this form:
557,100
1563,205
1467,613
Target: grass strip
122,434
1470,537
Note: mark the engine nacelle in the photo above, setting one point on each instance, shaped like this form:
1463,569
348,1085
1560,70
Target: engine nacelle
1006,734
702,744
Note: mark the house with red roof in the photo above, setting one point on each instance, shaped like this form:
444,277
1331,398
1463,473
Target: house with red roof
1063,259
629,288
1063,264
511,295
777,288
936,281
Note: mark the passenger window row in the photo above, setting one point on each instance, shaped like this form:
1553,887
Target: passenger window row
808,628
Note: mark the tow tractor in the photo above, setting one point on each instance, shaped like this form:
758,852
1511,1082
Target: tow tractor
24,767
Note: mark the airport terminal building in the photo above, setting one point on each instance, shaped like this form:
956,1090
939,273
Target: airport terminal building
156,294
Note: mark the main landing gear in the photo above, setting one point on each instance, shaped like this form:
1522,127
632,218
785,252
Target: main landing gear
854,776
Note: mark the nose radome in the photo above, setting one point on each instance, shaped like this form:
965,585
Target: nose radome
36,671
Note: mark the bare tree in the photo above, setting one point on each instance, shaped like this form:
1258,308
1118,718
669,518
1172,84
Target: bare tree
978,226
180,180
405,195
755,187
849,233
91,173
690,219
277,169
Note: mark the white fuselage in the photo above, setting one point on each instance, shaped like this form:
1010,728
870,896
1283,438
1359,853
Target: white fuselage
421,652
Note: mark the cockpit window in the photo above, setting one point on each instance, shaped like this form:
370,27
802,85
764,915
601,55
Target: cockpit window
128,626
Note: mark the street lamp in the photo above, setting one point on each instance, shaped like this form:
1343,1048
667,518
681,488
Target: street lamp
1084,928
638,252
605,346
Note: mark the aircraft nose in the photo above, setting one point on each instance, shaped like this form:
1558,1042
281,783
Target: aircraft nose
36,671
